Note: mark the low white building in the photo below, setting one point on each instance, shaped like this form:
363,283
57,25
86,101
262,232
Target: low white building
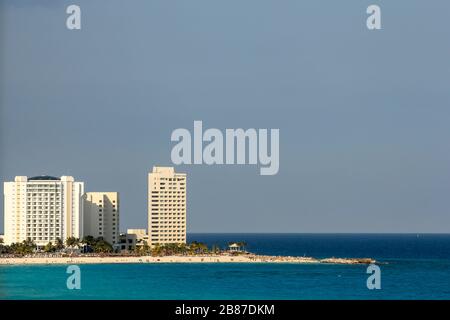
127,242
131,239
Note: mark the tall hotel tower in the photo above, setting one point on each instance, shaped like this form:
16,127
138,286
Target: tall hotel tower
101,215
43,209
166,206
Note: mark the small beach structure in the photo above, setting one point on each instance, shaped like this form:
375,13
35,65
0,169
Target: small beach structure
236,247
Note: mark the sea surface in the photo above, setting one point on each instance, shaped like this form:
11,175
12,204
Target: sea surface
413,266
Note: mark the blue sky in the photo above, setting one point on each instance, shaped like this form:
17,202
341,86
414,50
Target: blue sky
363,115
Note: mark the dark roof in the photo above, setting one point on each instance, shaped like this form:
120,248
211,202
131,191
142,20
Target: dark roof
44,178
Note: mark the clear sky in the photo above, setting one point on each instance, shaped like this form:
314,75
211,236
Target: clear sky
364,116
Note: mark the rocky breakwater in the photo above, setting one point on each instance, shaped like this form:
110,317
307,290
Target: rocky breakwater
348,260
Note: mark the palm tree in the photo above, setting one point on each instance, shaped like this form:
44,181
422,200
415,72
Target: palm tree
172,248
89,240
143,249
29,244
182,248
203,248
26,247
49,247
146,249
193,247
215,248
101,246
2,247
242,245
156,250
59,244
72,242
5,249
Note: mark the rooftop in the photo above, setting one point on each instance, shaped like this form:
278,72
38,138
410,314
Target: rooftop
37,178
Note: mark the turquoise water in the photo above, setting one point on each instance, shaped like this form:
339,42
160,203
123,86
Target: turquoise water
412,268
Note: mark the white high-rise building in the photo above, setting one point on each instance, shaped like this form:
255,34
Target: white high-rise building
101,215
43,209
166,206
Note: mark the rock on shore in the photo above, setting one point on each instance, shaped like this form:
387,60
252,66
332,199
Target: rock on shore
348,260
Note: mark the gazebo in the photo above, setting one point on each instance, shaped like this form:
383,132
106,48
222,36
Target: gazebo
234,247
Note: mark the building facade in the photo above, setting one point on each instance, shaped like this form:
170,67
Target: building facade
101,215
166,206
131,239
141,236
42,209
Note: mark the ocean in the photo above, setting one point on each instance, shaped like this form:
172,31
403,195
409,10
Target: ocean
413,266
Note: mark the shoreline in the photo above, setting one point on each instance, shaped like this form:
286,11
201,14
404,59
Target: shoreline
182,259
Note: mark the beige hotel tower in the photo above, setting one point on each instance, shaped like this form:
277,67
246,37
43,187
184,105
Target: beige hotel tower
101,215
166,206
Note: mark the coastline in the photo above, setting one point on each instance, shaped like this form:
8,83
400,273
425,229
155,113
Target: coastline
181,259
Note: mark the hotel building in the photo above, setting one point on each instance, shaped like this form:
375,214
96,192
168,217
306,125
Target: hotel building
131,239
42,209
101,215
140,235
166,206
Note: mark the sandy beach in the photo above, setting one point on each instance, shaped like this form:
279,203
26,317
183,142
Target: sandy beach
178,259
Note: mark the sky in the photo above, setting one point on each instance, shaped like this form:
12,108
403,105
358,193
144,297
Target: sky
363,115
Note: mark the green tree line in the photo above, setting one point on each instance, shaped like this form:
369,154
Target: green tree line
96,245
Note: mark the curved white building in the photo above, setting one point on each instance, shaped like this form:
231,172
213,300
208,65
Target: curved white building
42,209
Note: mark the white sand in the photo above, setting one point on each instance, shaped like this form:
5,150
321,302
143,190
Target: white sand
177,259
